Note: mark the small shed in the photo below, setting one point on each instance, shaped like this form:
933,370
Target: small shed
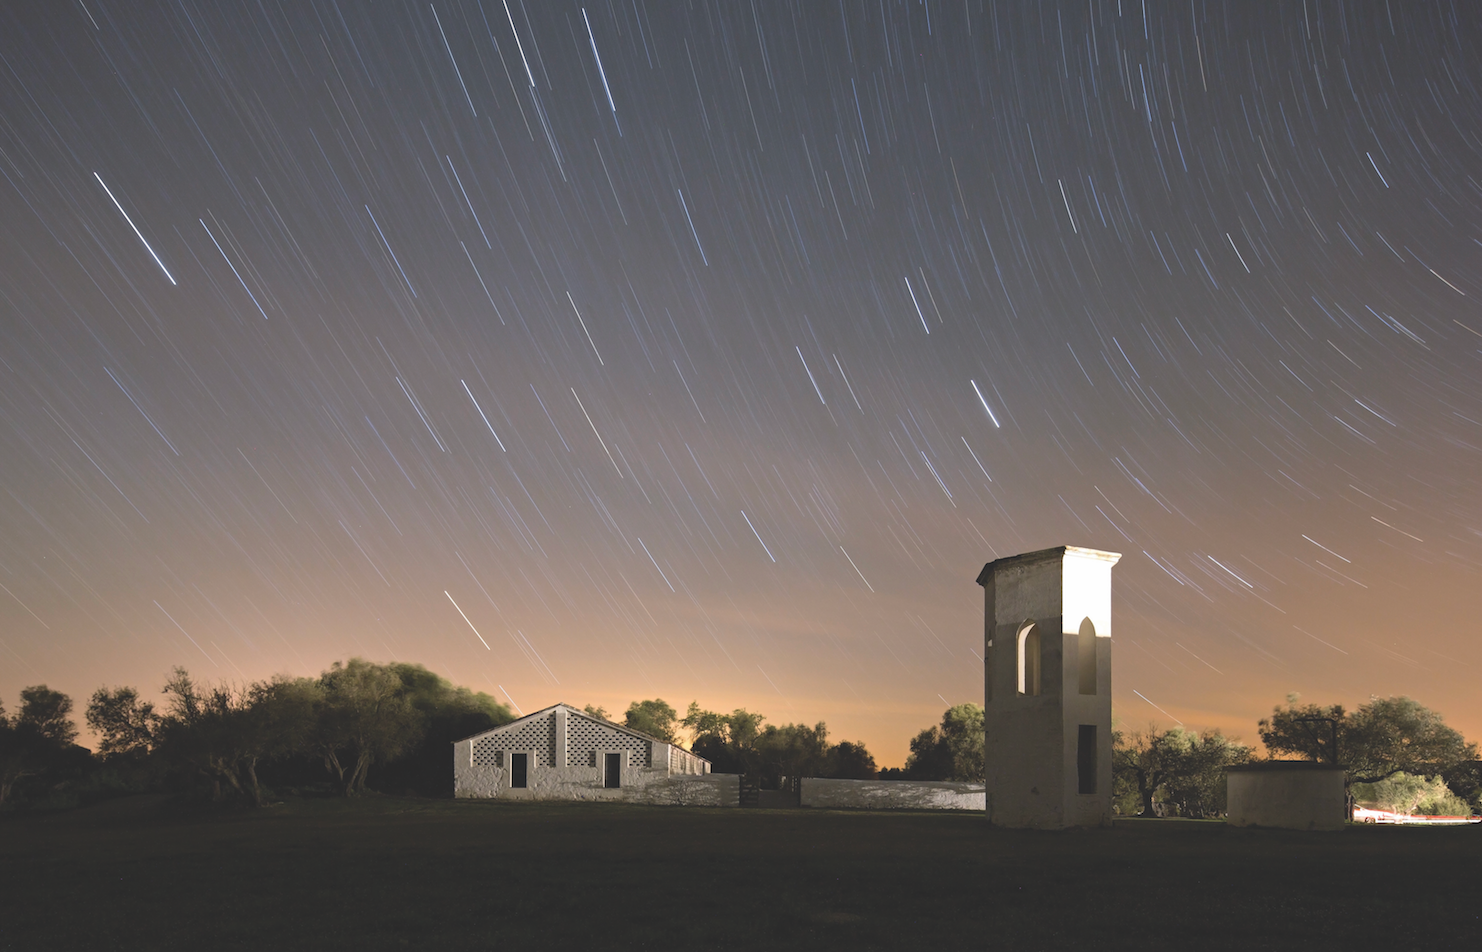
1287,795
563,753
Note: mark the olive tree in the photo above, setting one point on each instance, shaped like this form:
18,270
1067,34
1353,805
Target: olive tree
1384,737
654,718
366,716
36,738
951,751
124,723
1177,767
728,741
224,732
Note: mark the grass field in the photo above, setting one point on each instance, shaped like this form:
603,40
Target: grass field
386,873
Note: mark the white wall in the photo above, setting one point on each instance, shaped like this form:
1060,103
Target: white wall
1086,589
891,795
690,790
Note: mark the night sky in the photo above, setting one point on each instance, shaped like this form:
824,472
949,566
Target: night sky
707,351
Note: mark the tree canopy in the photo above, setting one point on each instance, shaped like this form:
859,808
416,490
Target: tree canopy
367,717
1408,794
1177,769
849,761
654,718
952,750
124,723
49,714
447,713
1382,738
36,738
791,751
224,731
728,741
741,742
399,718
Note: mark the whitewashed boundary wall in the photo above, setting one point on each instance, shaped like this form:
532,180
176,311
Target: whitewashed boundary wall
892,795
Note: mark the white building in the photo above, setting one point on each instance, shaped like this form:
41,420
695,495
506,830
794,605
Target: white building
562,753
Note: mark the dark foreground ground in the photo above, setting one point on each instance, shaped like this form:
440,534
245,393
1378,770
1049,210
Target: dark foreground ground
448,875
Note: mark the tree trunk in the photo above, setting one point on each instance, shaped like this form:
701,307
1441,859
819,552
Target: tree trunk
357,779
9,777
229,774
252,779
1147,786
219,770
336,770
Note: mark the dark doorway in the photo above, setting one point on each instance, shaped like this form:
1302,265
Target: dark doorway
612,771
518,769
1085,758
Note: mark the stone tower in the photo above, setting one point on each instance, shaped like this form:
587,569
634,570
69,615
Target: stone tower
1047,688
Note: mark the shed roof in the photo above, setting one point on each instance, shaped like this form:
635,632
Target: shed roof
1262,766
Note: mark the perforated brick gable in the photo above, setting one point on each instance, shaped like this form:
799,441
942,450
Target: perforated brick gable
537,734
585,736
486,752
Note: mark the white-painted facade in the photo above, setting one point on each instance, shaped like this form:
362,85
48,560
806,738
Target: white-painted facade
1047,688
890,795
562,753
1286,795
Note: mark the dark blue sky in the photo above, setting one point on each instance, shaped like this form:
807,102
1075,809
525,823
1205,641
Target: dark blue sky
706,351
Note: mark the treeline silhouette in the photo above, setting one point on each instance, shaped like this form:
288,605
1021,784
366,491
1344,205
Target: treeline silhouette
742,743
364,726
358,726
358,721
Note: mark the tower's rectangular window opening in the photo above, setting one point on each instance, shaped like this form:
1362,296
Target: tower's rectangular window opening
612,771
1085,758
518,769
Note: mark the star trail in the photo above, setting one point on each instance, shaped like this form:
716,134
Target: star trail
313,312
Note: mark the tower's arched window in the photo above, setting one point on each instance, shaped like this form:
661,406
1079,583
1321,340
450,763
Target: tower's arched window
1087,657
1029,658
